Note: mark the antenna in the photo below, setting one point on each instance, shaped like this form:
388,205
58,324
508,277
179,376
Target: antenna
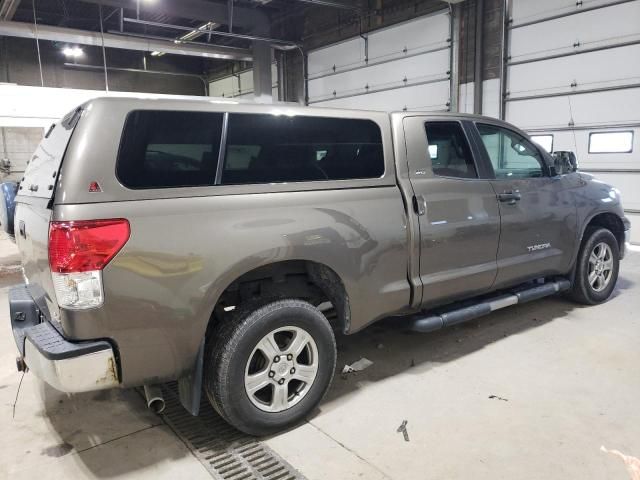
572,124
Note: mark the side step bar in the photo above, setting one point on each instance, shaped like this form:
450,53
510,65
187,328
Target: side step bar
488,305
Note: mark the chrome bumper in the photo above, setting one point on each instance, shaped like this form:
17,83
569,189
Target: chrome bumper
82,373
627,241
67,366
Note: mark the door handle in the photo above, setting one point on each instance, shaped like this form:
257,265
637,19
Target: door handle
510,198
22,229
419,205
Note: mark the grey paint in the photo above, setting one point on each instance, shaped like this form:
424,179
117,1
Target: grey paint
188,245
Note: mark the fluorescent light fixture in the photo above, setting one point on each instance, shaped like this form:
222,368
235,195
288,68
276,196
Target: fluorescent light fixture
72,52
156,53
198,32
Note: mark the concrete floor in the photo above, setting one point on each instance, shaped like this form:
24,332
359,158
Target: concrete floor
566,380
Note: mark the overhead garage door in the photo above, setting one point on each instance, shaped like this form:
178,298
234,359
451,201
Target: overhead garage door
240,85
404,67
573,81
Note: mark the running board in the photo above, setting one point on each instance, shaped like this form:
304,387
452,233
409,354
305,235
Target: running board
488,305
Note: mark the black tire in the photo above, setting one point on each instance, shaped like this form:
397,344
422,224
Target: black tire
233,344
582,290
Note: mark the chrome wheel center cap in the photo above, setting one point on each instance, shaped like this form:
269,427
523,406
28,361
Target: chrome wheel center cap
283,368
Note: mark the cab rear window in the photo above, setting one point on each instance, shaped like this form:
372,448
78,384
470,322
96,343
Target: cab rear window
163,149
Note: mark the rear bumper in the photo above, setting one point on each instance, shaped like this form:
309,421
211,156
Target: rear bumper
66,366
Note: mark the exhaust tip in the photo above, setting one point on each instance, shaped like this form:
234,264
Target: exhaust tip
156,405
154,397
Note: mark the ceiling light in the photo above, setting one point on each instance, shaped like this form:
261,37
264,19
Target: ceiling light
72,52
198,32
155,53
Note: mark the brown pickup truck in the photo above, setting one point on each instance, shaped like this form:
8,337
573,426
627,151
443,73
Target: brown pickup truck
223,245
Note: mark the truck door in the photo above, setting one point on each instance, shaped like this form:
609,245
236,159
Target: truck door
538,212
457,209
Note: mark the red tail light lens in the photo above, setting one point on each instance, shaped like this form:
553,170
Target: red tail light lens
86,245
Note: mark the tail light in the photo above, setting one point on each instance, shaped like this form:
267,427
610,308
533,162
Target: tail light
78,251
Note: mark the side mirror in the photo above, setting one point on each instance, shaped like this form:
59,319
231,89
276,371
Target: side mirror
564,162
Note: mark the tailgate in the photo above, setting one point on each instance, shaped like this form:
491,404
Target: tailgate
33,211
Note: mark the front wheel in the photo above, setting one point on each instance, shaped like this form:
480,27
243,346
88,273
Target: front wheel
597,267
268,367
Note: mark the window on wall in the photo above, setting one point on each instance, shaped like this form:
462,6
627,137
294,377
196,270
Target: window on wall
545,141
449,151
266,148
164,149
511,154
611,142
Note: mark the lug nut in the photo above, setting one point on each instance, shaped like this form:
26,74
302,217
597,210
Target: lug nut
276,359
272,374
292,371
289,357
281,381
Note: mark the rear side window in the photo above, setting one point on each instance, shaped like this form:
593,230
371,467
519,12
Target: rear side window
265,148
449,151
164,149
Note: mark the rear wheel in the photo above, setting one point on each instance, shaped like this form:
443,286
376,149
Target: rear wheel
268,367
597,267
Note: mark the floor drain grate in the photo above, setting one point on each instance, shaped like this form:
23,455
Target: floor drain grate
227,453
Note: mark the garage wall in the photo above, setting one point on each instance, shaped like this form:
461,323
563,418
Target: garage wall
17,145
573,70
240,85
403,67
25,112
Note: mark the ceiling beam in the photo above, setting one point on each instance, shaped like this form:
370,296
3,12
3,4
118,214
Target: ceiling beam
8,9
251,19
124,42
330,3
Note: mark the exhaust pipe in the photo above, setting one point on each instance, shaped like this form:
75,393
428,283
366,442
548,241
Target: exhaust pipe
155,399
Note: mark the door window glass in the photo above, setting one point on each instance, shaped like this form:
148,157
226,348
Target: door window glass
449,151
511,154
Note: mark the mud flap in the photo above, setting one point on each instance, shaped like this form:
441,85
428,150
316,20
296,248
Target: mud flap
190,386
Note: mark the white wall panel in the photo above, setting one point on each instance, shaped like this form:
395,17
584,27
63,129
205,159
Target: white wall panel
530,10
602,108
578,142
418,98
240,85
594,28
589,70
430,66
402,62
415,36
341,55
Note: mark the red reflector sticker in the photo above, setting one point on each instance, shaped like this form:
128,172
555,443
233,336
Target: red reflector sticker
85,245
94,187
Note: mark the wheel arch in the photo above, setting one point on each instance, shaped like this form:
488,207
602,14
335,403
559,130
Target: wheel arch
609,220
304,279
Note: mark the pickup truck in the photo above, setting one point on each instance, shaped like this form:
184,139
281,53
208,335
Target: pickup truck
223,245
